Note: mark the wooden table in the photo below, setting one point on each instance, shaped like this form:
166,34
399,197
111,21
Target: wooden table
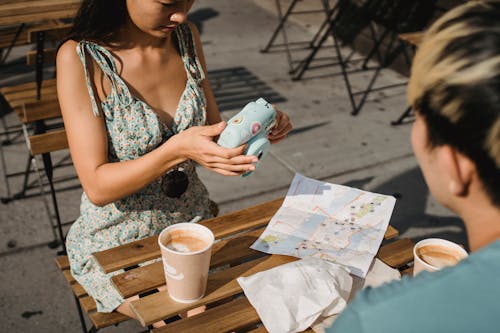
227,309
32,11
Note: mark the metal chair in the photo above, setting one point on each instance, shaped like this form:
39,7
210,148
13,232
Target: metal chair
347,22
290,46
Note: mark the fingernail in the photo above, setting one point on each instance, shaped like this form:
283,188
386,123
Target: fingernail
255,159
252,168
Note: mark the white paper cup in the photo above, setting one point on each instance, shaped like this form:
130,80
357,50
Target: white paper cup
432,254
186,250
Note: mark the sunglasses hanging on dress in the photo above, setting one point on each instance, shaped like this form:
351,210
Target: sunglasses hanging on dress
174,183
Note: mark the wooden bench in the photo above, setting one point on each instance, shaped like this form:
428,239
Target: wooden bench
231,256
24,97
26,34
99,320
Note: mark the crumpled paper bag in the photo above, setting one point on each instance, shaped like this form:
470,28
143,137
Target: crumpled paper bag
290,297
378,274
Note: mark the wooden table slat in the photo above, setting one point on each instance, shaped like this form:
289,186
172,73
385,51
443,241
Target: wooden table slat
128,255
101,319
391,232
78,290
27,86
16,102
62,262
148,277
68,276
36,7
262,329
88,304
38,17
408,271
146,249
49,57
242,220
40,110
397,253
220,285
15,94
234,315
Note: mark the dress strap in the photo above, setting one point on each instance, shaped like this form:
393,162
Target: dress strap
188,53
106,62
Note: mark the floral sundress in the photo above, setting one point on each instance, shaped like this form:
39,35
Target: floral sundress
134,129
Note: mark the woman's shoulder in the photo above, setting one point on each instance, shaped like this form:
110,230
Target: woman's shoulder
67,54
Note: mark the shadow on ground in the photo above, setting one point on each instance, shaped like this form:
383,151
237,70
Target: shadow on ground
412,202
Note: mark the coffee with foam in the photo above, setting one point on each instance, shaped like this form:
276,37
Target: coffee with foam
186,244
432,254
185,240
439,256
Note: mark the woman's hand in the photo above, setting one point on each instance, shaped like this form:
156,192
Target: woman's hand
282,127
197,143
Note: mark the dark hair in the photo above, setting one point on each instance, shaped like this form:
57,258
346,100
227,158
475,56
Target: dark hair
98,20
455,86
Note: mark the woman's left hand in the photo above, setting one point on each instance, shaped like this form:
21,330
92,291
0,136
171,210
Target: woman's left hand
282,127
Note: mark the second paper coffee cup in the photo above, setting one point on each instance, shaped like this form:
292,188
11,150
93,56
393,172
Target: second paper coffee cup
432,254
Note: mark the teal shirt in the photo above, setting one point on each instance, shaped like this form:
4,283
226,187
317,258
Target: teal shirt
464,298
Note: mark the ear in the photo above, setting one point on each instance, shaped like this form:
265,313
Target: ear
459,169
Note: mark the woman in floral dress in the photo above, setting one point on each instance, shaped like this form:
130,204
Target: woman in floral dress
139,113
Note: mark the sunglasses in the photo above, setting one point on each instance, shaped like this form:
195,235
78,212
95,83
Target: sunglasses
174,183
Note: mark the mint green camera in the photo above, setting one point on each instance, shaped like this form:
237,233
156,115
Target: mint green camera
252,126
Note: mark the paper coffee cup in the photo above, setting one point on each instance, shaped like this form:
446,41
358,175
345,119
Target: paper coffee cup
432,254
186,249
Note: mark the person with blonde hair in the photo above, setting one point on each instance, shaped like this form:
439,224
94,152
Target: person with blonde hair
454,89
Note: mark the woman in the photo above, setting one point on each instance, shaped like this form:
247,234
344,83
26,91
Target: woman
138,112
455,90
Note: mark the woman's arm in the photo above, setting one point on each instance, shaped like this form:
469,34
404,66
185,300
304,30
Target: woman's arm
103,182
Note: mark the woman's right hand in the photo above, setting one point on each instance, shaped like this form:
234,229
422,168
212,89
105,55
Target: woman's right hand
197,143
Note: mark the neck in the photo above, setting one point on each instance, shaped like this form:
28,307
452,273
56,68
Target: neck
132,37
482,221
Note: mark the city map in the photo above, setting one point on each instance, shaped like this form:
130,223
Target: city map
338,223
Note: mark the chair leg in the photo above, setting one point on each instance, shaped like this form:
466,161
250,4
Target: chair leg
365,93
304,65
5,172
93,329
80,315
281,27
55,243
26,177
404,115
282,20
375,48
343,70
12,44
48,172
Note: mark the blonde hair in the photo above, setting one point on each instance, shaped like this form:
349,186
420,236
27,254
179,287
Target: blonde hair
455,86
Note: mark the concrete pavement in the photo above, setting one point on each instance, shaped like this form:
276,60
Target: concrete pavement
327,144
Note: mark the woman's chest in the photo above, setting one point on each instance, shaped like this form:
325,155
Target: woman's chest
159,84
